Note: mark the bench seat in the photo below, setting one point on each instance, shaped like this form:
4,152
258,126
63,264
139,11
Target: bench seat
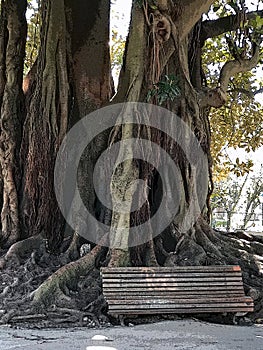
182,289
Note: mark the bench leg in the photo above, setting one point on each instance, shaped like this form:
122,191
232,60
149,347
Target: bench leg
236,315
121,319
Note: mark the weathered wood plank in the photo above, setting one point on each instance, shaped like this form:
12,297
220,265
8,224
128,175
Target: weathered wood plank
172,284
178,291
171,269
181,306
185,300
133,296
171,289
172,280
171,275
172,296
182,311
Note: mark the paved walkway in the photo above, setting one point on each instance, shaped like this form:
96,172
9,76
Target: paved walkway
168,335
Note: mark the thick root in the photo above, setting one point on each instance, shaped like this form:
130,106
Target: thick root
21,249
119,258
56,286
72,253
150,257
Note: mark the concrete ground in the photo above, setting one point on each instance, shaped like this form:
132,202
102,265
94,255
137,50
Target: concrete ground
167,335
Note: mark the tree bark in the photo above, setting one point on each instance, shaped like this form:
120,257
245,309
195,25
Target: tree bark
137,81
13,39
74,41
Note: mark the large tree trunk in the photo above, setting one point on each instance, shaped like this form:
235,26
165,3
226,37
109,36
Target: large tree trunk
13,38
137,80
74,41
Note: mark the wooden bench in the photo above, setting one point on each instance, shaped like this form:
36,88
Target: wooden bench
178,290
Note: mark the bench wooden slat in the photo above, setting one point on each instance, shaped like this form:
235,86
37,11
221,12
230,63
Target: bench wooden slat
172,284
182,311
171,289
174,290
171,275
165,292
192,307
157,280
157,304
178,269
172,296
185,301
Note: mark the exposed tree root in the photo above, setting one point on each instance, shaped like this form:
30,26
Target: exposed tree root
72,253
19,250
119,257
56,287
59,291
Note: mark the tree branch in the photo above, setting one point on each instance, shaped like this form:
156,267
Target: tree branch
249,93
212,97
259,91
231,68
218,96
190,12
222,25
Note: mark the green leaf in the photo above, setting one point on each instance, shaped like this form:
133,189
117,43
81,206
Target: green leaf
216,8
259,22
